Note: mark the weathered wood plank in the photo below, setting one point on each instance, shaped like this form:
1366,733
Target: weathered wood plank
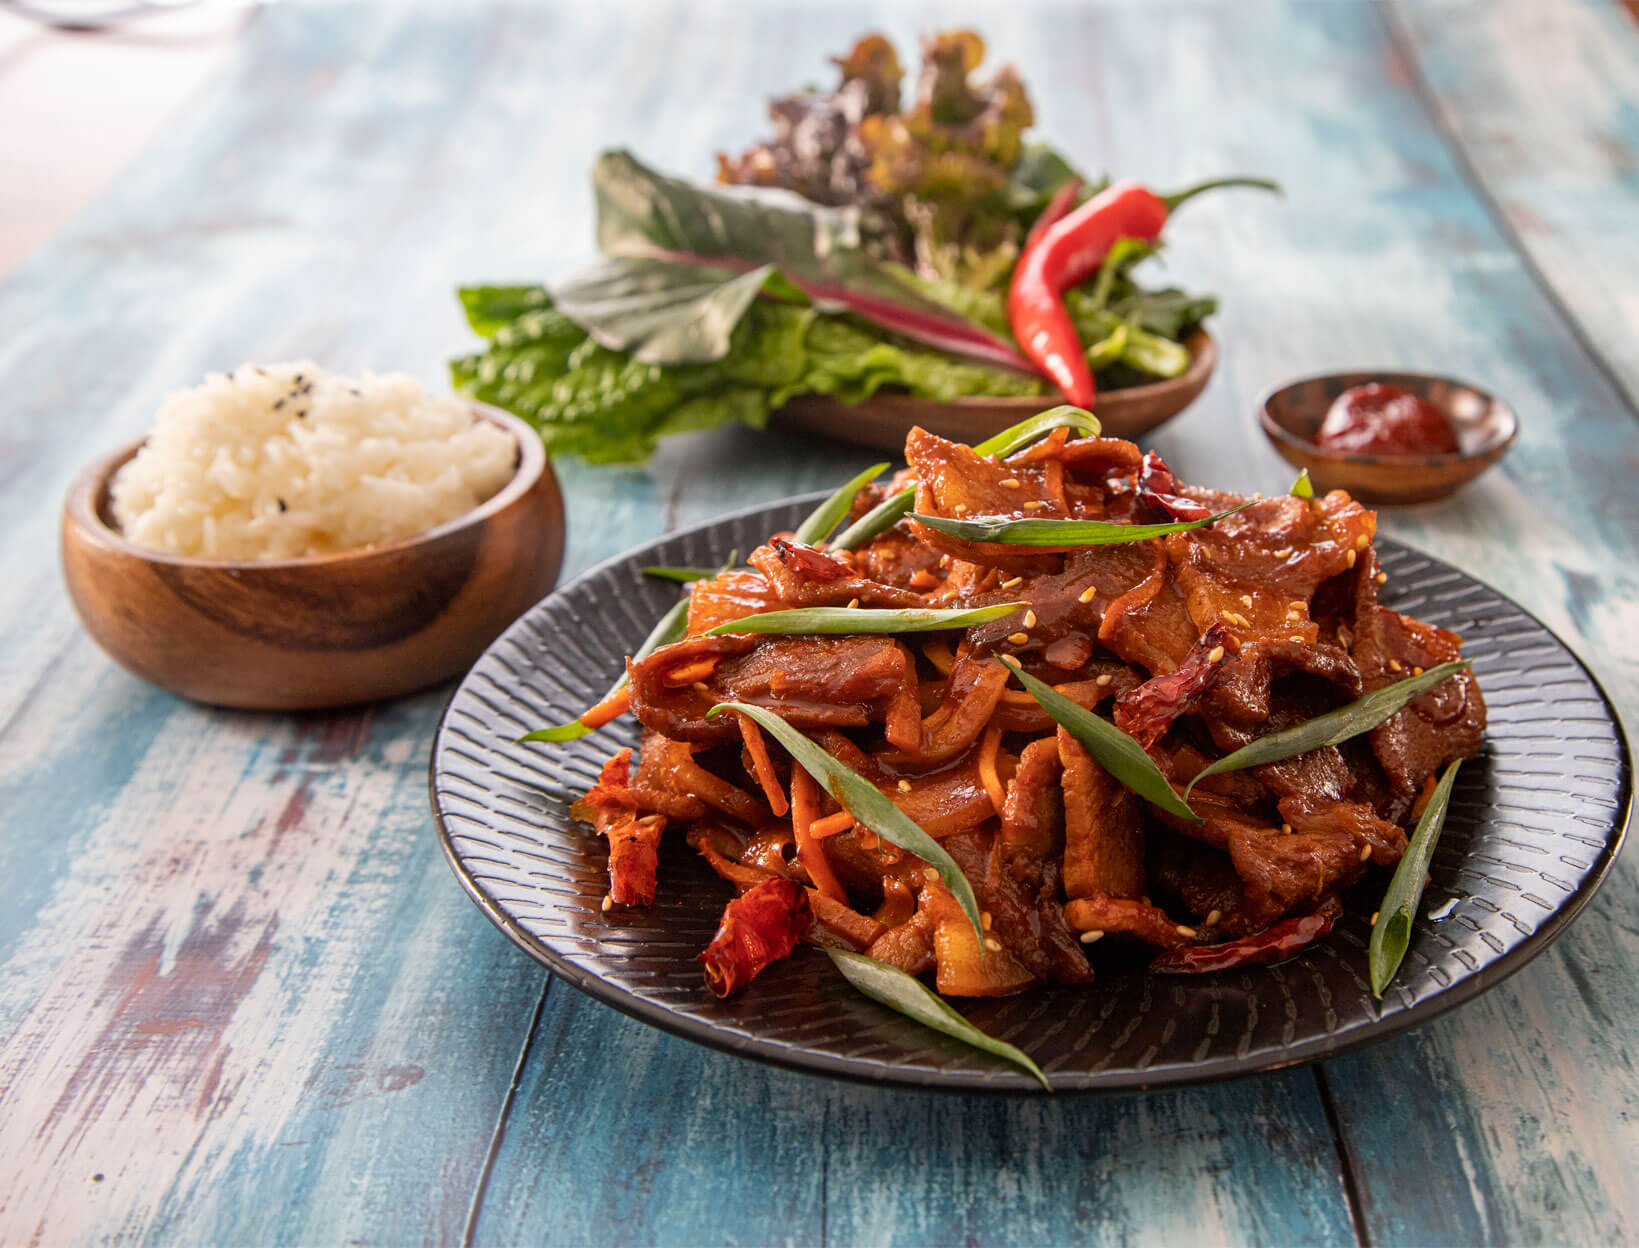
239,995
356,164
1544,101
1513,1119
299,1083
624,1135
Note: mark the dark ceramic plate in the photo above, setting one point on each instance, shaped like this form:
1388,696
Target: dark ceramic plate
1534,826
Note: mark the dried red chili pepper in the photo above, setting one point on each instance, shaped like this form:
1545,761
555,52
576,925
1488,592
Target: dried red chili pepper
1158,489
1069,252
1274,944
634,860
761,926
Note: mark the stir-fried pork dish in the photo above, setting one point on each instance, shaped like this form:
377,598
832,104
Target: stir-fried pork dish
1194,643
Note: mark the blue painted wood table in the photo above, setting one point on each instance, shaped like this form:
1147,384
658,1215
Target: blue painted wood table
242,1000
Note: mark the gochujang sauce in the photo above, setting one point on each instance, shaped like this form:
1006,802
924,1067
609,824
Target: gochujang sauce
1380,419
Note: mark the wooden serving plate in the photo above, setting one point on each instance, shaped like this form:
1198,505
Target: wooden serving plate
883,421
331,630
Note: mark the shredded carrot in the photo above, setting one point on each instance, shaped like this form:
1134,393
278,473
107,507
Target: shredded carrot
611,708
1053,482
691,672
830,825
988,749
938,653
811,853
763,766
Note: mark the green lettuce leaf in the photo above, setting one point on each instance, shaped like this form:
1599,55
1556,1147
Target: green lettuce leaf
660,311
851,363
608,406
490,307
646,215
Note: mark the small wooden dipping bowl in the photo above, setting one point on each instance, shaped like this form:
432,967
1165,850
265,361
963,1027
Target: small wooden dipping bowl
325,631
884,419
1485,427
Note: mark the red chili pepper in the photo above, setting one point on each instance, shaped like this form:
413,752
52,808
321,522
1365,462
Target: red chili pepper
1274,944
761,926
1063,200
1070,251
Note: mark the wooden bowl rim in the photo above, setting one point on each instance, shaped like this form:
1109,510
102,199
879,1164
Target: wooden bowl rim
89,487
1280,434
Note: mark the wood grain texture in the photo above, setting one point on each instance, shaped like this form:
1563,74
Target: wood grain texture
692,1146
235,978
1541,100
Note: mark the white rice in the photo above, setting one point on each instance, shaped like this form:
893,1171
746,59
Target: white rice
286,460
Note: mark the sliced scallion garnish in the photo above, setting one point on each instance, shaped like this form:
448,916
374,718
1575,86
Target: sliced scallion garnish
891,510
1391,933
824,518
682,576
866,803
672,627
1334,727
1056,533
846,621
1115,751
907,995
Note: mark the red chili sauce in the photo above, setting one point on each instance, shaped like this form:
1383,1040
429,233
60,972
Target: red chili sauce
1380,419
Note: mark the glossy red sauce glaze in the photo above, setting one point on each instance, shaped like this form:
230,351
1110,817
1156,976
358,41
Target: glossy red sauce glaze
1380,419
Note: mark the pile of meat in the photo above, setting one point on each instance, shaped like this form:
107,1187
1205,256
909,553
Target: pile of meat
1194,644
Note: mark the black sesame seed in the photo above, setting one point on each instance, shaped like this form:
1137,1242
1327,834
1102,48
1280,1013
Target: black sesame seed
278,403
282,506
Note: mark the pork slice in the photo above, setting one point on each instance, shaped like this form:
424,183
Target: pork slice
1315,812
1277,552
1026,916
1286,873
804,576
955,482
1069,605
896,558
727,597
1201,877
1150,624
1240,696
1112,915
1033,814
812,682
1103,836
1434,728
